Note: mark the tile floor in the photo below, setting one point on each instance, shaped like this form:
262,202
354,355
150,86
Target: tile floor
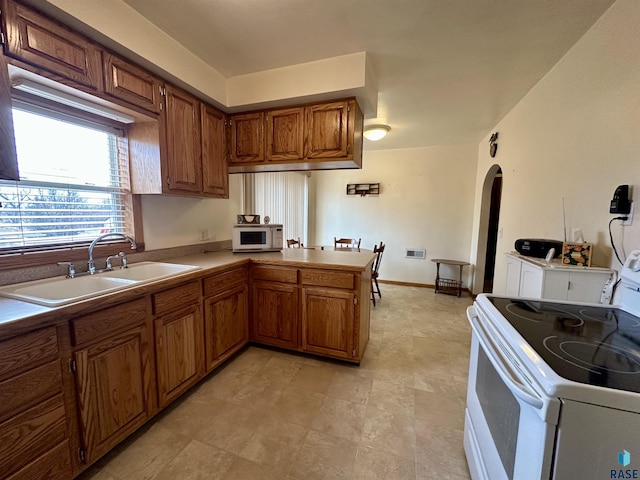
271,415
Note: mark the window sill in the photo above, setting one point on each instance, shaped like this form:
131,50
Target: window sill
75,253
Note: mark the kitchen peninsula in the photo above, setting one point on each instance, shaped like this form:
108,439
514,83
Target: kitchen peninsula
82,377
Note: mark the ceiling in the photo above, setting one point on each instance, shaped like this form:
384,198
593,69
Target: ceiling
447,70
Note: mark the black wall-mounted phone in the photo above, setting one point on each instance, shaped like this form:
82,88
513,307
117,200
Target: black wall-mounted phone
620,201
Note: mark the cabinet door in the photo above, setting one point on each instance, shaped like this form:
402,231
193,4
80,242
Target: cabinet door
47,44
247,138
274,314
514,267
8,157
285,134
327,130
328,322
112,378
556,284
215,175
226,323
132,84
183,162
531,279
179,352
586,286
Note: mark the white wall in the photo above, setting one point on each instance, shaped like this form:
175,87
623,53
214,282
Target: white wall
173,221
575,135
425,201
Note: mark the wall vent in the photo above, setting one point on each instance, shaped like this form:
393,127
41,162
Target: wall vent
416,253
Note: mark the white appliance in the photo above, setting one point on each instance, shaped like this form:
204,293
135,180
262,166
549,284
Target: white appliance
257,238
554,387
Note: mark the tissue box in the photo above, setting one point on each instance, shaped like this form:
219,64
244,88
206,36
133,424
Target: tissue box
576,254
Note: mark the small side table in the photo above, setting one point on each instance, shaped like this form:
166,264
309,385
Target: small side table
447,285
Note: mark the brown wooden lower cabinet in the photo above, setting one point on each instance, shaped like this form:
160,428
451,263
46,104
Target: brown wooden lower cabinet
275,314
328,322
33,426
194,327
312,310
179,340
179,352
226,323
53,465
112,363
111,378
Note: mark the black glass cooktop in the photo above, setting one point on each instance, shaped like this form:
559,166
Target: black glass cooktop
596,346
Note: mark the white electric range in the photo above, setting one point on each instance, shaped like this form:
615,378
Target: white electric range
554,387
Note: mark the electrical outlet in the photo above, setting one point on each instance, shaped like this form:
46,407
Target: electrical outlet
204,234
629,219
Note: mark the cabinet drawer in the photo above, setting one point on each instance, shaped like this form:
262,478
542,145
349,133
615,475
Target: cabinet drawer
275,274
26,390
53,465
176,297
31,434
21,353
108,321
224,280
328,279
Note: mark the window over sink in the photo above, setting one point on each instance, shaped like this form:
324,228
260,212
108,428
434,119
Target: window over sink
74,181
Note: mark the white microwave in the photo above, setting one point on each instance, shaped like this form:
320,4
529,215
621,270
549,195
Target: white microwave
257,238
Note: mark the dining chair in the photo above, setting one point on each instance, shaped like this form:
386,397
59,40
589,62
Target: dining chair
293,243
346,242
375,288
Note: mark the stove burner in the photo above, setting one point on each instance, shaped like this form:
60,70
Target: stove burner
532,314
628,321
589,344
585,355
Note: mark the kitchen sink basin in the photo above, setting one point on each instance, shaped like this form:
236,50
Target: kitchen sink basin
53,292
148,271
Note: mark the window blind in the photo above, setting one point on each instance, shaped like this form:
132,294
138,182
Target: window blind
283,196
74,184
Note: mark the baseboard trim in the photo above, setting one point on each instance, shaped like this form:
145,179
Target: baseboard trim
420,285
407,284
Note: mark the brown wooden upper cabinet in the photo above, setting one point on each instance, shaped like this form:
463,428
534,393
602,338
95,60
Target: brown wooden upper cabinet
320,136
38,40
184,150
327,130
128,82
247,138
215,174
285,134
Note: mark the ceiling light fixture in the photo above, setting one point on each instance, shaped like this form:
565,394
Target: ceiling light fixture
55,95
376,132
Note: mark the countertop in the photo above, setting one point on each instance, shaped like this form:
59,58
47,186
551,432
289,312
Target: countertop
17,316
555,263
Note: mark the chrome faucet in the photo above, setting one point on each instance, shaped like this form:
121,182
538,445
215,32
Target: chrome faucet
92,264
121,256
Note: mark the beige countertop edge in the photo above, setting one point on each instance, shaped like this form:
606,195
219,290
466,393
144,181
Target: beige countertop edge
18,317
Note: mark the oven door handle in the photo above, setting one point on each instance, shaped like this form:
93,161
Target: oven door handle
510,377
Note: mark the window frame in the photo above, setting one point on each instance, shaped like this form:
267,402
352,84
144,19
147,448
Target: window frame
73,252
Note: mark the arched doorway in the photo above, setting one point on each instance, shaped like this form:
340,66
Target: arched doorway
488,229
492,232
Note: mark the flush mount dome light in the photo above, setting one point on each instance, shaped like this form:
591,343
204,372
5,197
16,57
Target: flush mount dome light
376,132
